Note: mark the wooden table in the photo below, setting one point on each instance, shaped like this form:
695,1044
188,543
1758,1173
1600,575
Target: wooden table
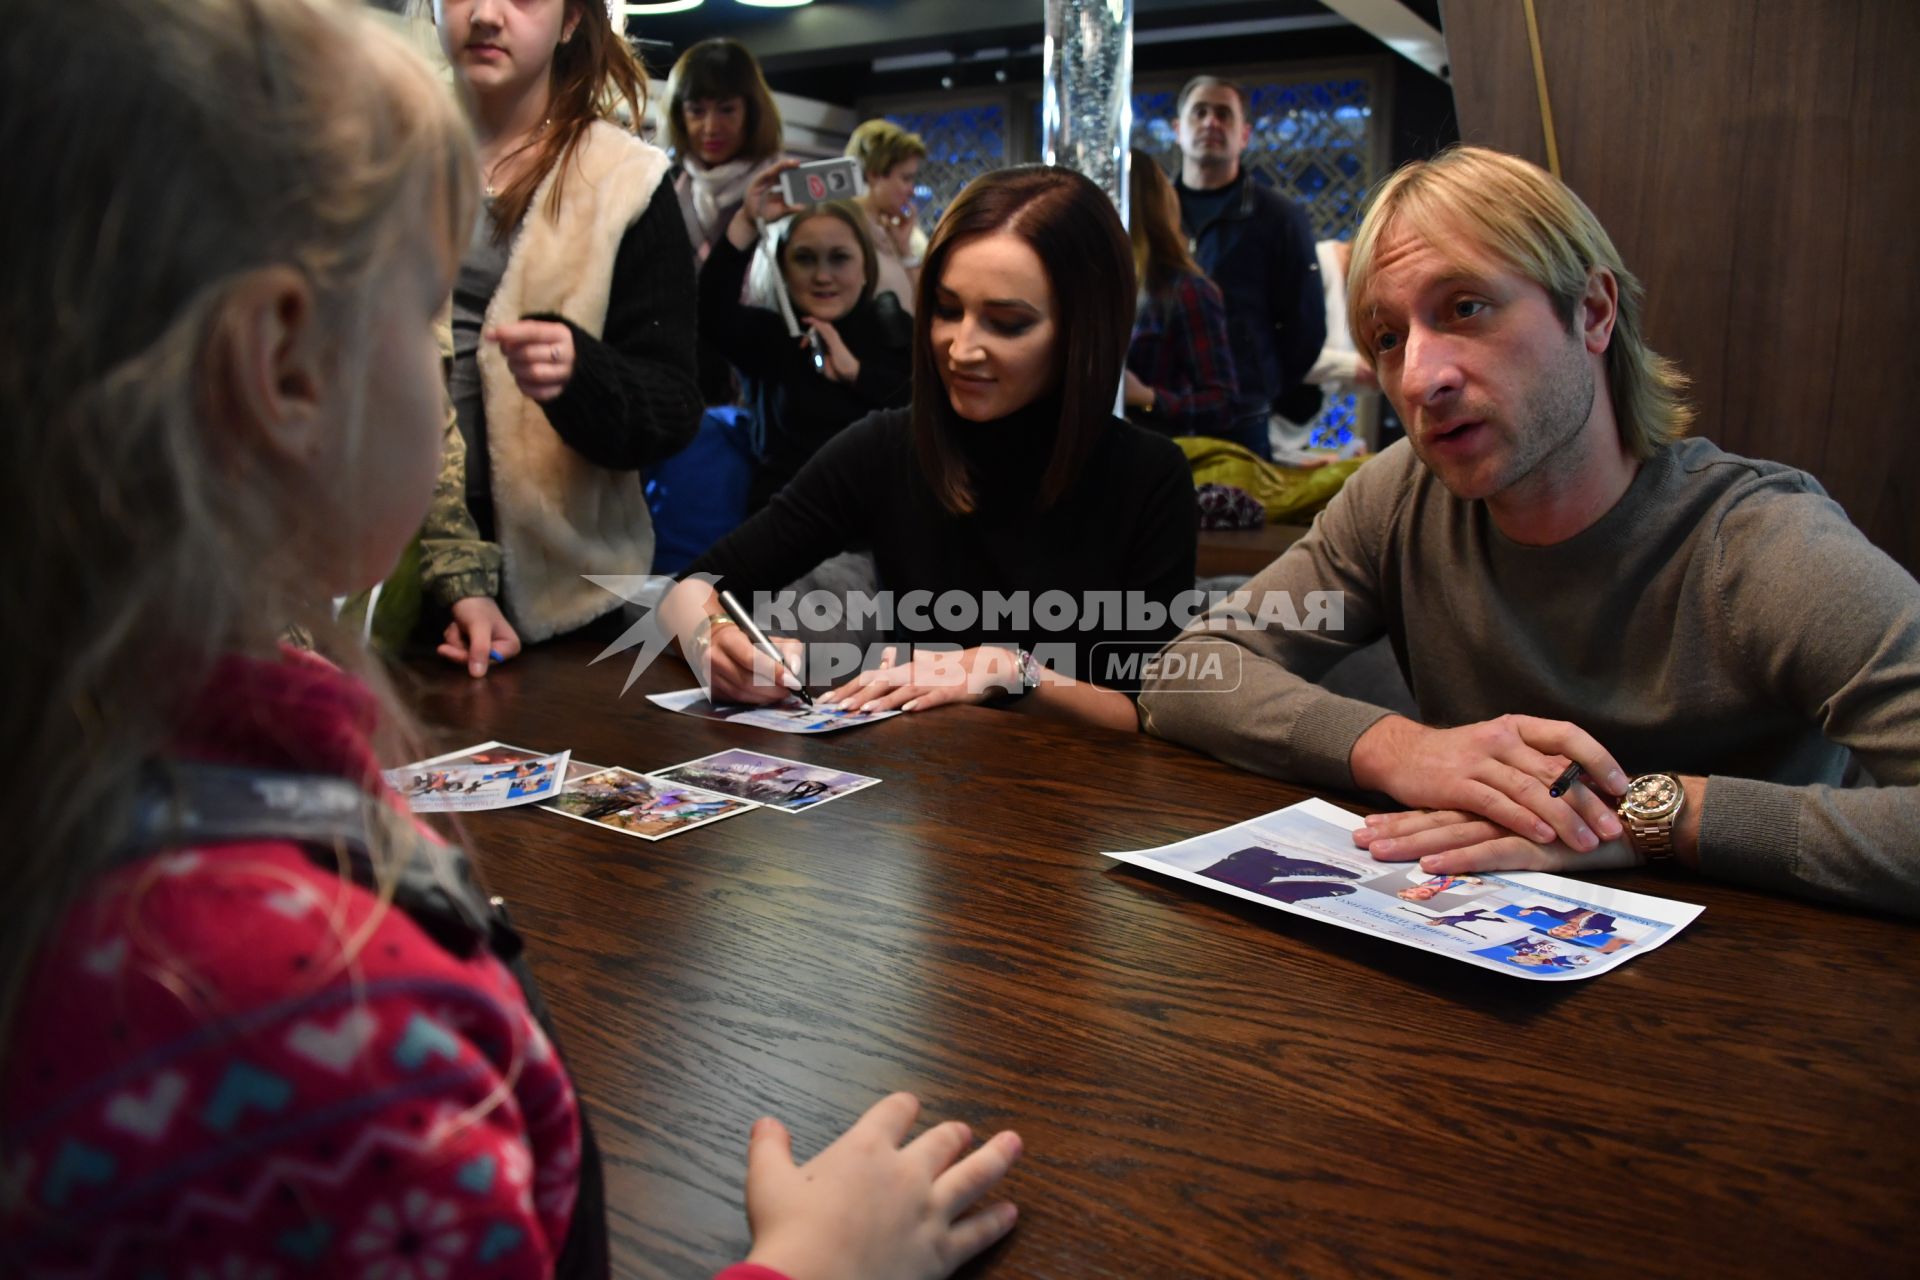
1244,551
1206,1087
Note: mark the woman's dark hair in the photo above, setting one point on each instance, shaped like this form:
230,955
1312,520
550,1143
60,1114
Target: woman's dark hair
1073,229
856,223
592,69
718,69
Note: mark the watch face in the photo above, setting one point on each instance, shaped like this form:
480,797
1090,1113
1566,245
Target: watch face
1652,795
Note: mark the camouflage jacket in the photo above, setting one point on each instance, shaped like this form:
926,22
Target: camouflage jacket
455,562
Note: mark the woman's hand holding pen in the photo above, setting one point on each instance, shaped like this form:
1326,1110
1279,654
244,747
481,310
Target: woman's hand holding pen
735,672
1498,771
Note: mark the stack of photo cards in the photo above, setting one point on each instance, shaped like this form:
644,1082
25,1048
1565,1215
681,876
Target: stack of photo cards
684,796
492,775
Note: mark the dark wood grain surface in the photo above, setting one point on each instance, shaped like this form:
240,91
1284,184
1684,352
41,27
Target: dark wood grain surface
1206,1087
1244,551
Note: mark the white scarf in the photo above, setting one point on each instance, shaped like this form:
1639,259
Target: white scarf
714,188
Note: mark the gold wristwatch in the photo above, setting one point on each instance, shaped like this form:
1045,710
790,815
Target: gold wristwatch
1648,810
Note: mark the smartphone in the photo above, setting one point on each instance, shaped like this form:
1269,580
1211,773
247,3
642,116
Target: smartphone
821,180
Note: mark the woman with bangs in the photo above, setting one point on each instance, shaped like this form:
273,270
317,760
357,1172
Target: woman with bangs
725,130
1007,475
255,1019
573,359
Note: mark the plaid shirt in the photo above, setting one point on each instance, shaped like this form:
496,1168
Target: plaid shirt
1180,349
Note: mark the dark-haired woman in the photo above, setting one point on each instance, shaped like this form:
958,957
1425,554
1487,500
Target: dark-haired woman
573,318
829,265
1008,484
1179,366
725,130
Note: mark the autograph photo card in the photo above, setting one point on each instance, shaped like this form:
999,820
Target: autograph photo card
791,716
791,786
492,775
636,805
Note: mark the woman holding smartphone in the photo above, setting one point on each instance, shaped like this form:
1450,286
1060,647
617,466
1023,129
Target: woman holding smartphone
852,355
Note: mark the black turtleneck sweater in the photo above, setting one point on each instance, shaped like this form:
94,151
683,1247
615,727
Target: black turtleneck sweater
1128,524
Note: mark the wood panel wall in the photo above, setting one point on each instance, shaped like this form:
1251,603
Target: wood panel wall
1758,164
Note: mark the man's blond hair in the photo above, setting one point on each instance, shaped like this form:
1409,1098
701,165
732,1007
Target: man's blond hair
1532,223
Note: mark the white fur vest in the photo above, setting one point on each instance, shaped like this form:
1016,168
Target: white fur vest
557,515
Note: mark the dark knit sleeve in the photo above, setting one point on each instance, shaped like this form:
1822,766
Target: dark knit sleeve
822,511
753,339
886,374
634,397
1157,520
1166,534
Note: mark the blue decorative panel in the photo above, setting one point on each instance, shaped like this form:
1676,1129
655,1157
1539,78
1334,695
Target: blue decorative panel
962,143
1334,428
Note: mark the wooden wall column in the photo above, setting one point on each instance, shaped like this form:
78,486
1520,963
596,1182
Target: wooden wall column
1758,164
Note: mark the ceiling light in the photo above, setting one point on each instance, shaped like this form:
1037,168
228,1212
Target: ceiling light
775,4
659,6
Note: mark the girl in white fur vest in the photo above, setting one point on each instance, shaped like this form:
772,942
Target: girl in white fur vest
573,324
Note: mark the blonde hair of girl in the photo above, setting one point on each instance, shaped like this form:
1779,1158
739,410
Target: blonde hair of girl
176,150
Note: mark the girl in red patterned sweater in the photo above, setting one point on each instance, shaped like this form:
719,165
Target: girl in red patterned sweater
256,1052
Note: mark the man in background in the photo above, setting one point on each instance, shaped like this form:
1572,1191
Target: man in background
1258,247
